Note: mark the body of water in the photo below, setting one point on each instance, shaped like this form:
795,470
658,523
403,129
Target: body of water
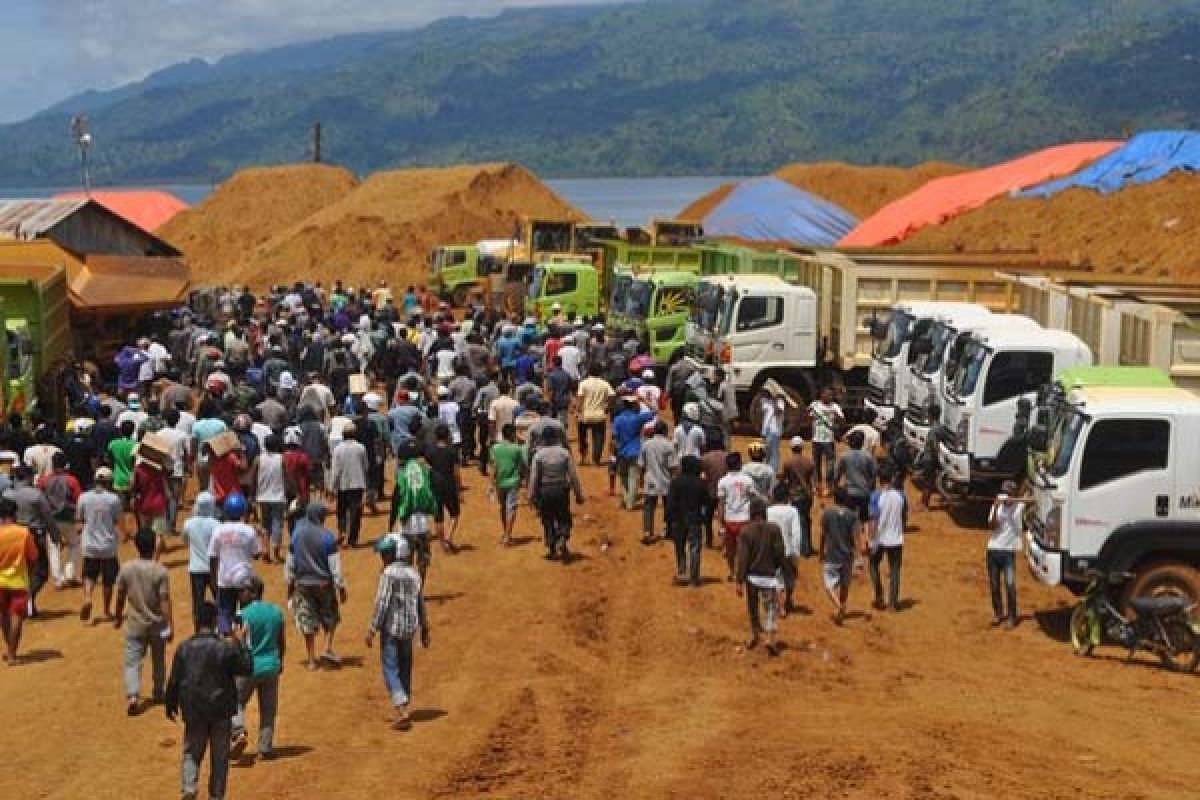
622,201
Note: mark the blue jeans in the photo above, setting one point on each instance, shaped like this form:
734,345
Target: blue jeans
1002,568
396,657
771,442
272,515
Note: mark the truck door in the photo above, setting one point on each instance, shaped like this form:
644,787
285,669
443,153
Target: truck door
757,333
1013,374
1124,474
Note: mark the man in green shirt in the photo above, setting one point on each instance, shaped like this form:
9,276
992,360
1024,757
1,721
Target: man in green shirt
266,641
508,457
120,457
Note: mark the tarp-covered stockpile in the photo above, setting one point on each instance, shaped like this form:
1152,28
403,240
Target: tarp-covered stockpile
1143,159
772,210
148,209
945,198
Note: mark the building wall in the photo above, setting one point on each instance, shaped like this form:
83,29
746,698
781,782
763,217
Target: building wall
91,230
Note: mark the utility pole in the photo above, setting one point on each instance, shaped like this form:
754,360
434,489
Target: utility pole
83,139
317,142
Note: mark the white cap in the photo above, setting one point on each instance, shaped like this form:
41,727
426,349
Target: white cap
443,391
292,435
648,374
372,400
348,338
797,442
286,381
599,326
556,307
691,411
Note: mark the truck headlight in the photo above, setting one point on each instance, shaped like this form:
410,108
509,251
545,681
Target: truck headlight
1053,533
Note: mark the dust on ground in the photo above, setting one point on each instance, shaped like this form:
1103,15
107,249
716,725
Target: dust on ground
602,680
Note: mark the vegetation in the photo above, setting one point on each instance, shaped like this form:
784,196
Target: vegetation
665,87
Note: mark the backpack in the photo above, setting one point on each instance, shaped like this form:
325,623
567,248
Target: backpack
415,491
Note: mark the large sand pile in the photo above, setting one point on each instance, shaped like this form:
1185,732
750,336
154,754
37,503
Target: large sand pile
220,234
381,229
1152,230
860,190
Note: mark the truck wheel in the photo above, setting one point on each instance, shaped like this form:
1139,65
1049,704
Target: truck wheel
951,492
1082,642
1165,579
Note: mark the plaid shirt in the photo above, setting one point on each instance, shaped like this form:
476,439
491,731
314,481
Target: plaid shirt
399,607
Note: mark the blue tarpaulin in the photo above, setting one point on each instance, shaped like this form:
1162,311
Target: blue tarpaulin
1143,159
772,210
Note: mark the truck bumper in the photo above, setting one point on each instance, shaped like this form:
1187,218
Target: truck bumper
915,434
1046,565
957,466
883,413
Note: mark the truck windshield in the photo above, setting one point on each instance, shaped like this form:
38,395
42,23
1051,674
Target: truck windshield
969,368
620,293
939,337
728,308
535,283
708,306
897,334
638,305
1067,433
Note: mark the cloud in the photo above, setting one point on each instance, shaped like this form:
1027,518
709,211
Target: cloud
52,48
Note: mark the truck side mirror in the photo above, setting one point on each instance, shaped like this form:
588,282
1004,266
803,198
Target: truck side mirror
1039,438
921,347
879,328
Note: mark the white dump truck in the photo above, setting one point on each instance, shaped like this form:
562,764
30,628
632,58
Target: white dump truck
996,373
1119,491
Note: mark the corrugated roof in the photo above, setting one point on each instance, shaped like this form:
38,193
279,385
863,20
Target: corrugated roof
29,219
130,283
147,208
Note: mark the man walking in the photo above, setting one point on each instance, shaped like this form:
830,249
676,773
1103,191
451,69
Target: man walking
825,416
266,641
399,612
231,553
202,686
687,502
658,462
18,553
144,586
734,492
856,470
350,468
887,539
595,396
552,477
508,458
313,573
99,509
839,546
760,562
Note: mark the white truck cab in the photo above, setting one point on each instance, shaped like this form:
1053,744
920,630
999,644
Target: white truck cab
1119,491
931,367
888,376
995,373
701,330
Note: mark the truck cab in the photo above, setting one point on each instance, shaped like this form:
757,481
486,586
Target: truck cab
996,373
573,285
1119,491
888,378
935,361
659,305
458,269
701,329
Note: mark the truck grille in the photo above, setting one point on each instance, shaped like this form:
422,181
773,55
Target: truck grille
917,415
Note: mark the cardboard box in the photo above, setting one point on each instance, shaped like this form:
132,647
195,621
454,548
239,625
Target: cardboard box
359,384
224,443
156,450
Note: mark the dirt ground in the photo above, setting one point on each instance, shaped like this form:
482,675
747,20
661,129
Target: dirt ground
602,680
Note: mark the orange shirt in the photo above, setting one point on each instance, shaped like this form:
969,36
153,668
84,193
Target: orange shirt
17,552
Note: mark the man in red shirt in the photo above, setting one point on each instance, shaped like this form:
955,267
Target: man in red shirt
18,551
296,470
150,492
225,473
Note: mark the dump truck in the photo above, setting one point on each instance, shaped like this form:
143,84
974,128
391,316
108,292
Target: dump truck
1119,492
658,309
457,270
812,324
675,232
37,338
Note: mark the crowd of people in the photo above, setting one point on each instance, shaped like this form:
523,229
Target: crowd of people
261,430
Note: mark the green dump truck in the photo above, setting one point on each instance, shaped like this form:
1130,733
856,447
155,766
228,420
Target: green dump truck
37,336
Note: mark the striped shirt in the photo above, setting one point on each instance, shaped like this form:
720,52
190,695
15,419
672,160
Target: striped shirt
399,606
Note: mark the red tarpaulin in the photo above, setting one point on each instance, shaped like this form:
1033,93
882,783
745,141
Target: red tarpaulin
148,209
946,198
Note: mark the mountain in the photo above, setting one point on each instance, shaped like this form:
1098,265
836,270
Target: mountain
655,88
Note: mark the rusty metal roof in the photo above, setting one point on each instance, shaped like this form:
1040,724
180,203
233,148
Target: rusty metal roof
29,219
130,283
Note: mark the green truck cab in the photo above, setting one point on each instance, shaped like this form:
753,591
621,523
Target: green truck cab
455,270
657,309
574,286
36,329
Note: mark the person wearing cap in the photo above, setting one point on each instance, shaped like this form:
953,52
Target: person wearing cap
398,613
267,642
689,436
315,583
349,468
648,394
448,414
144,589
760,563
627,447
797,476
99,511
18,553
758,470
552,479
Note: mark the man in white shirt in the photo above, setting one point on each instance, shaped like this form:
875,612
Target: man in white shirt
648,394
734,492
825,416
785,515
887,538
571,355
870,432
178,443
231,553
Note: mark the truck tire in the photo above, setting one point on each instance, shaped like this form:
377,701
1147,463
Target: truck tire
1162,579
951,493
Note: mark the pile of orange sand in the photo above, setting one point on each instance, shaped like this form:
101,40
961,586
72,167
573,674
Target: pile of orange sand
219,235
1151,229
384,228
860,190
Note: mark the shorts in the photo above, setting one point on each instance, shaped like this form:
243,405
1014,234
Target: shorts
316,607
732,531
14,602
836,575
422,553
447,495
100,569
508,501
861,506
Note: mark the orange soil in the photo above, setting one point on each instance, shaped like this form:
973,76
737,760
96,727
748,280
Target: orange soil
601,680
1152,229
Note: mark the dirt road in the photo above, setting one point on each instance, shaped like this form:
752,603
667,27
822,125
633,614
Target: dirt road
602,680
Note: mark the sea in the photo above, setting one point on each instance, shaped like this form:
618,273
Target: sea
623,202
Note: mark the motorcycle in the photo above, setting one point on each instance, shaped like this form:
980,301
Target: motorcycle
1165,626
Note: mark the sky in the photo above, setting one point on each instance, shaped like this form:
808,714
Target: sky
51,49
